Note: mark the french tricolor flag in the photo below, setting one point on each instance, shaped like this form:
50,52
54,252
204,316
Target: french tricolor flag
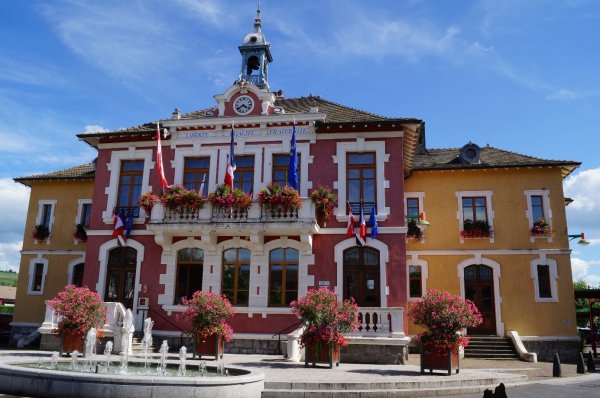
230,163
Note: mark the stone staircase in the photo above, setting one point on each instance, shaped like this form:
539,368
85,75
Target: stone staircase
490,347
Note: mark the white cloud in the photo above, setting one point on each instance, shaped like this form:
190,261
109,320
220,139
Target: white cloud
208,11
583,188
14,199
93,128
562,95
580,270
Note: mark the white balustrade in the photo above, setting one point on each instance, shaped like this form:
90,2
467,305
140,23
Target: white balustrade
380,322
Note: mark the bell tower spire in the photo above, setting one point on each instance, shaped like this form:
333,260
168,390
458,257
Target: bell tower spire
256,55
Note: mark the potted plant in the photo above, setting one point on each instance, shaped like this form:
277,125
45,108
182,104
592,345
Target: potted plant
325,320
230,202
80,233
206,315
78,310
541,228
476,229
414,231
444,315
184,202
41,232
325,201
280,201
146,201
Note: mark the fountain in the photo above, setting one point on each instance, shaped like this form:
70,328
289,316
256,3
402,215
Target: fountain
66,378
182,354
147,341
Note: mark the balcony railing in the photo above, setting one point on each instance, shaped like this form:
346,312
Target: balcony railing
255,213
380,322
254,79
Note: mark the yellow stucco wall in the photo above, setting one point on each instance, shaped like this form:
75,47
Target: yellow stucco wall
59,250
511,248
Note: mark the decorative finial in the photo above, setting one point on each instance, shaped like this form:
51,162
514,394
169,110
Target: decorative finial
257,21
176,114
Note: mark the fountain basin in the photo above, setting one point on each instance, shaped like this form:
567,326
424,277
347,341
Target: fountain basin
39,382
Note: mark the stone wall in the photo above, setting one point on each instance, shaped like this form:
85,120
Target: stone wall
568,350
376,354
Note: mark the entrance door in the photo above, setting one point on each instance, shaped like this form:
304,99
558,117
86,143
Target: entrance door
120,276
479,288
361,276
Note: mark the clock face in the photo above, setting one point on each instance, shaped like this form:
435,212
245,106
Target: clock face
243,105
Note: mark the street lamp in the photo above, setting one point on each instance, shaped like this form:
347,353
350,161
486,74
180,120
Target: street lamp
582,240
423,224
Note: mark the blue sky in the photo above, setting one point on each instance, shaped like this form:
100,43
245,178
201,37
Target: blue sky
521,75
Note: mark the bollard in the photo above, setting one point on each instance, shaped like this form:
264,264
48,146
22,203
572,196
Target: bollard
591,364
580,364
556,371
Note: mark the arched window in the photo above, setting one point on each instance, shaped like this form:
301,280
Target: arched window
235,284
190,264
361,276
120,276
283,277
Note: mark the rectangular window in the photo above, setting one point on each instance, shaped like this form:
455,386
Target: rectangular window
235,283
243,177
281,163
86,210
130,186
543,274
415,279
474,209
46,215
537,207
189,273
195,171
412,208
38,275
283,277
361,181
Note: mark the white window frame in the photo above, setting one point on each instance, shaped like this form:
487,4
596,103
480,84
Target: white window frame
80,204
38,219
37,260
196,151
415,262
359,146
243,150
71,266
488,206
303,151
114,167
543,260
545,194
420,196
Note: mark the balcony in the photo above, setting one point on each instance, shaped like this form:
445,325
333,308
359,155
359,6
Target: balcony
211,219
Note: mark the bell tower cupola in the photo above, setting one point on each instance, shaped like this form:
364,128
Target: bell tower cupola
256,55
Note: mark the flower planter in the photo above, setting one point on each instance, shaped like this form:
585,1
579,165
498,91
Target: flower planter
322,353
72,341
211,346
433,360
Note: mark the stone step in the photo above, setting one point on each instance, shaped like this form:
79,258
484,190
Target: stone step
416,388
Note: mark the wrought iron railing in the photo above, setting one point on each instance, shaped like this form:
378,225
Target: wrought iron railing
367,207
131,211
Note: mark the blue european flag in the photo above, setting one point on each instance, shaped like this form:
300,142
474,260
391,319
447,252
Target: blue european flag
293,167
373,222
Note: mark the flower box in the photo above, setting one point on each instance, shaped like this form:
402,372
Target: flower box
280,201
476,230
80,233
322,353
40,232
541,229
72,341
210,346
325,201
435,360
413,231
230,203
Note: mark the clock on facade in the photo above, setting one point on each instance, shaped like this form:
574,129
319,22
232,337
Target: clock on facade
243,105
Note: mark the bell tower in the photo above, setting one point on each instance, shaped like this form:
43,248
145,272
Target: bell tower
256,56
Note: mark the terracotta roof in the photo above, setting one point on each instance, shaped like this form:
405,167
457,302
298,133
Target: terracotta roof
335,112
83,172
447,159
